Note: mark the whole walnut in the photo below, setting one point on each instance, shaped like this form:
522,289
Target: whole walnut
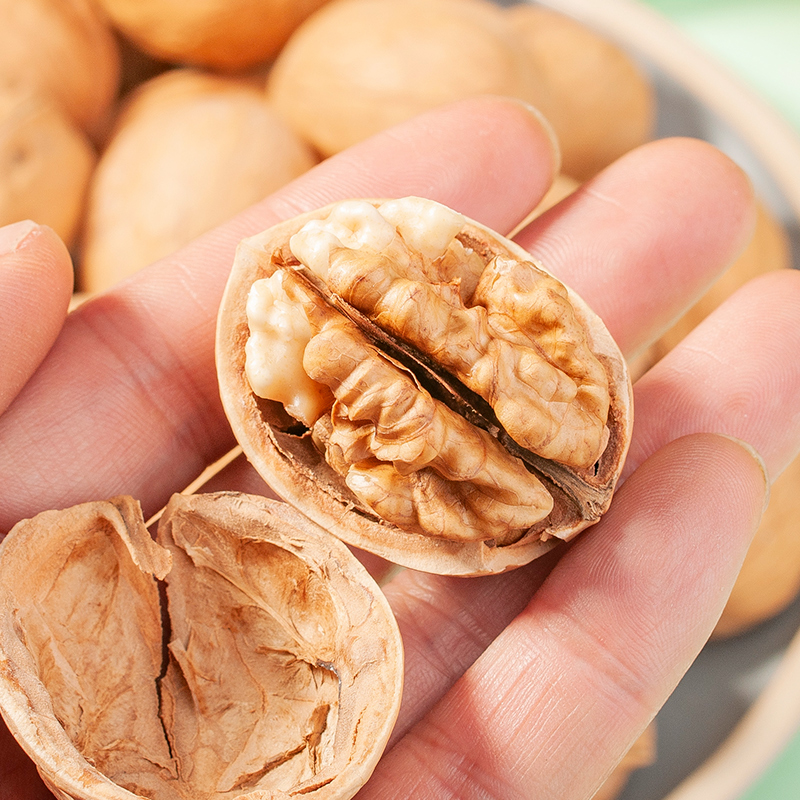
64,50
189,151
222,34
599,100
359,66
45,163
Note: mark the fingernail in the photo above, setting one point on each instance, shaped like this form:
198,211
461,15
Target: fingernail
13,236
757,457
548,128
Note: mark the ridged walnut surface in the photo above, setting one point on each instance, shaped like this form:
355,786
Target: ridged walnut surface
382,461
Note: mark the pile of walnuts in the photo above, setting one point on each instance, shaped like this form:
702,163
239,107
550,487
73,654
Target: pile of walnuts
131,127
245,628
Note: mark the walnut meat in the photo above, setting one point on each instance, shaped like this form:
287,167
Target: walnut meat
278,674
414,383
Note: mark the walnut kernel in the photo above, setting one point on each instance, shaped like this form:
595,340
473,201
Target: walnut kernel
416,384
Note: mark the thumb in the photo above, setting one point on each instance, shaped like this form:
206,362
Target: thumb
35,286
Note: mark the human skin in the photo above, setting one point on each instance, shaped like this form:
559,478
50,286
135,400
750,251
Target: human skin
508,677
35,289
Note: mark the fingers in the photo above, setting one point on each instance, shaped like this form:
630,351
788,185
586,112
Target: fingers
127,402
737,373
35,286
152,429
601,645
491,159
446,623
647,234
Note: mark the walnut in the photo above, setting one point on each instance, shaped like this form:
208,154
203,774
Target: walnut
414,383
599,100
226,35
64,52
46,163
188,151
278,673
356,67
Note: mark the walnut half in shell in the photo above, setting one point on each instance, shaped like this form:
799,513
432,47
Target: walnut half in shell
414,383
274,669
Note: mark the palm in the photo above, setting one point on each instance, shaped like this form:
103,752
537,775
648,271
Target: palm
509,677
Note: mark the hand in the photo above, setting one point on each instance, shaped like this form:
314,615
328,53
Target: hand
510,678
35,287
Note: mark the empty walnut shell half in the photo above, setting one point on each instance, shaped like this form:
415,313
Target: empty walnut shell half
414,383
278,673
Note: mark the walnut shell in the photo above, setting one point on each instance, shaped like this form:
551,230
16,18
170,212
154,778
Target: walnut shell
305,468
45,163
223,34
359,66
189,151
279,673
61,49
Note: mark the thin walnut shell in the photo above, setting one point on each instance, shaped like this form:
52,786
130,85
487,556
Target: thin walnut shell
302,458
279,674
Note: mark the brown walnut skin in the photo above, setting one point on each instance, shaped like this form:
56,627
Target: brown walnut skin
279,675
292,466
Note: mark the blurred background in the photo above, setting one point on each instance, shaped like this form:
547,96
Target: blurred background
758,42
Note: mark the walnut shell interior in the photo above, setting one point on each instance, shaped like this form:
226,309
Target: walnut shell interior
266,663
287,452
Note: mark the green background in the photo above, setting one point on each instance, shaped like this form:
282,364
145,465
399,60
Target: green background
758,41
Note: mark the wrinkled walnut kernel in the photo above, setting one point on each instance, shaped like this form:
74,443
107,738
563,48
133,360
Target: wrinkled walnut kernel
454,398
411,458
278,673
